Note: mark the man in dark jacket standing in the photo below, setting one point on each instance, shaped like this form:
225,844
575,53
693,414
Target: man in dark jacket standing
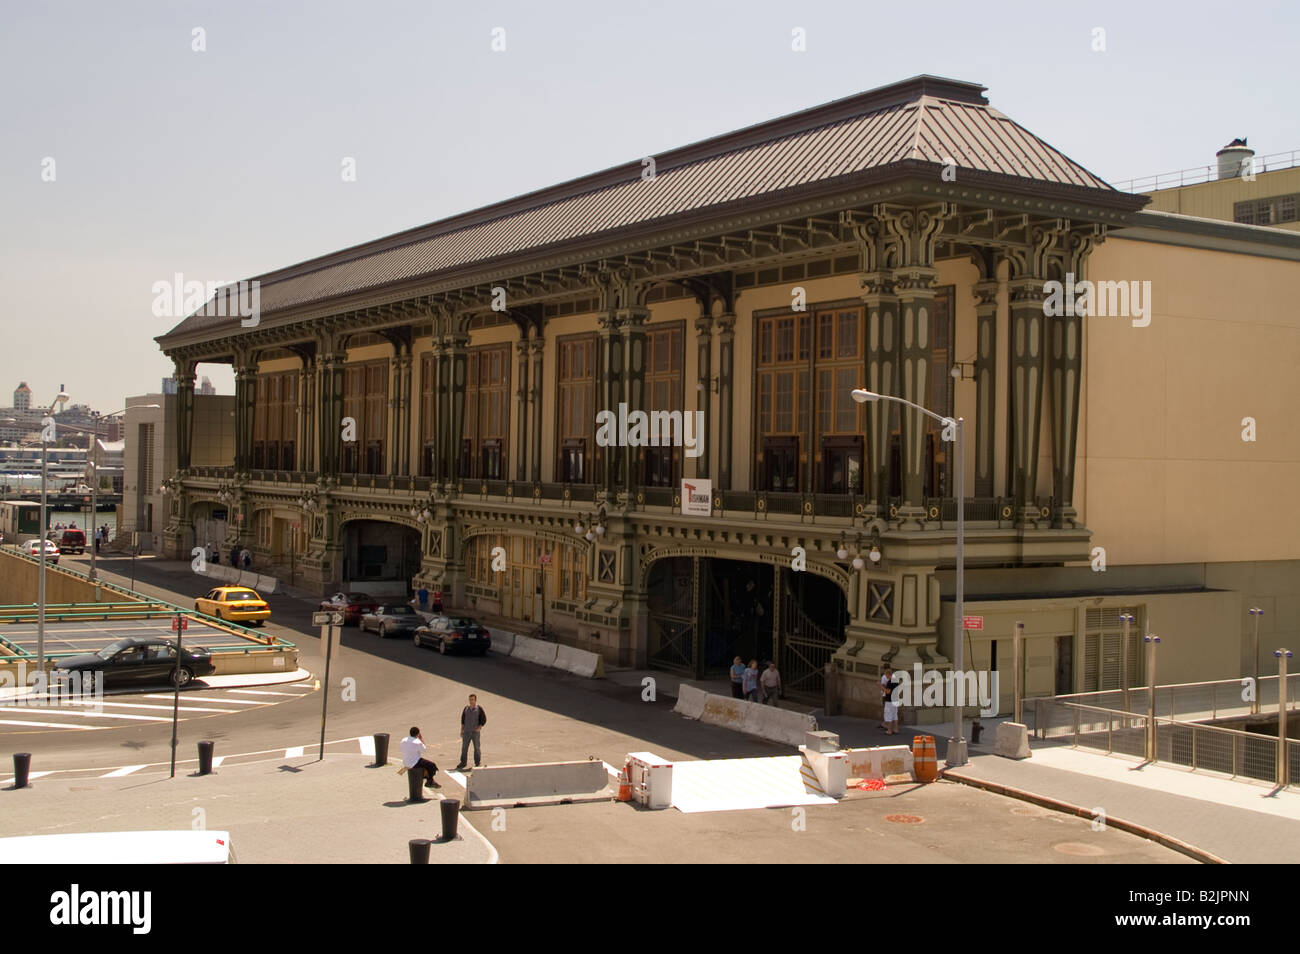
472,720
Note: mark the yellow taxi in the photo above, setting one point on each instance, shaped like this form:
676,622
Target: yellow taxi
234,604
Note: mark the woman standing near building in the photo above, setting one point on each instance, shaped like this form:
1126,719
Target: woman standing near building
887,687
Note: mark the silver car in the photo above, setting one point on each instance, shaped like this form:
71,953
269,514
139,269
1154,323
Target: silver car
392,620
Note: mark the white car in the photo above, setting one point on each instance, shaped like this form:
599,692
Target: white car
31,548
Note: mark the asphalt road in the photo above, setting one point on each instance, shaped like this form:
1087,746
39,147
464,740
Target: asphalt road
540,715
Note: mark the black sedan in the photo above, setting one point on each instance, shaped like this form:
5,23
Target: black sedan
138,661
454,634
391,621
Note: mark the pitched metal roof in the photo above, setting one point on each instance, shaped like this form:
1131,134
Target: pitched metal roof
925,119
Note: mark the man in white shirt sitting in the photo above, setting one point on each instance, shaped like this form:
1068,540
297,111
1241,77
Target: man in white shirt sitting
413,757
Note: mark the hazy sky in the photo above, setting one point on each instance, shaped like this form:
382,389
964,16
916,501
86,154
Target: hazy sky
225,163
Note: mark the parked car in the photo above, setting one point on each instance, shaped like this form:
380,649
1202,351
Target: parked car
352,605
454,634
32,549
69,541
391,621
234,604
138,660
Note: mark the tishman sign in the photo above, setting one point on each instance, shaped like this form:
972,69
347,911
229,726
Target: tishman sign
697,497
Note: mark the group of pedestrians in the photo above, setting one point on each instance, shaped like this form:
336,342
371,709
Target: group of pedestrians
750,684
101,536
470,726
238,557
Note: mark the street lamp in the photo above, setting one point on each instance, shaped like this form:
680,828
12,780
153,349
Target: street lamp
47,434
957,744
94,473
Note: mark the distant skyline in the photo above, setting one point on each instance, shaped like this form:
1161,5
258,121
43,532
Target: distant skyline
223,163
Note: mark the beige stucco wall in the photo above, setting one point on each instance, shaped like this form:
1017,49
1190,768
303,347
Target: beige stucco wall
1165,476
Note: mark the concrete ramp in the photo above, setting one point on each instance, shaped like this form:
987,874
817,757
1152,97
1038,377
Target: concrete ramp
722,785
546,783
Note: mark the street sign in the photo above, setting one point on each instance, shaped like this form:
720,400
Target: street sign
546,558
184,623
972,622
321,619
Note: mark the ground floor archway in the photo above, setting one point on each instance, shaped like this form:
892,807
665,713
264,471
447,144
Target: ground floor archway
705,611
379,558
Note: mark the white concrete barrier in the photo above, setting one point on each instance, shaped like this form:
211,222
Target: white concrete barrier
503,643
690,701
779,725
725,711
266,584
532,650
831,769
545,783
1012,741
879,762
580,662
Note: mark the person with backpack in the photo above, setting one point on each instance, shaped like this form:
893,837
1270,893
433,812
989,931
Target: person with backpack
472,720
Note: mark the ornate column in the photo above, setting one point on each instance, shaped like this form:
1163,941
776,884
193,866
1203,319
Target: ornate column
523,410
536,384
1065,337
404,434
457,365
986,375
245,397
726,368
302,439
1027,353
704,387
608,391
882,378
330,410
912,234
634,361
438,470
184,376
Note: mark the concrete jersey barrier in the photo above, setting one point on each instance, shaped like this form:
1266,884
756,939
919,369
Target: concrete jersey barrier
548,782
768,722
534,651
503,643
580,662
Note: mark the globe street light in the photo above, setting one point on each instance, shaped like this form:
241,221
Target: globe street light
957,744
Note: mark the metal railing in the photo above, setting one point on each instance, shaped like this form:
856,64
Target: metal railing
1217,749
1108,730
1191,701
1207,173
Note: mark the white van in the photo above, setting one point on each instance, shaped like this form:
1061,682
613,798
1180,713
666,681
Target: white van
183,847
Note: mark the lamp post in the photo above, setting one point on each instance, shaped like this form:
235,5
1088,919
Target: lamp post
1256,612
1127,620
957,744
47,434
94,483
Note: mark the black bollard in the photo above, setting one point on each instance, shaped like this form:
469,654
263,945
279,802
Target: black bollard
22,765
450,816
975,730
419,848
414,778
381,748
205,757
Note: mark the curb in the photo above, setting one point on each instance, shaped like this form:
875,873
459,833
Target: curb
1150,834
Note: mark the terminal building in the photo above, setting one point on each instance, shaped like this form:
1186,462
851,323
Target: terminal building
422,410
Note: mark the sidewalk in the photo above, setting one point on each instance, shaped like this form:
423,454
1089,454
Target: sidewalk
300,811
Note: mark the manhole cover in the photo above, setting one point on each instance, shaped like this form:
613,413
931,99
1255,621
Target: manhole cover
1078,848
1031,810
904,819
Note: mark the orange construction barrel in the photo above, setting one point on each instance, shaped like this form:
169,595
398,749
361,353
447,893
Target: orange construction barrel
924,760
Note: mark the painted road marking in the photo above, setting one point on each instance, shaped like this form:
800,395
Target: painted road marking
46,725
141,705
217,760
367,745
124,770
264,692
294,751
89,715
224,700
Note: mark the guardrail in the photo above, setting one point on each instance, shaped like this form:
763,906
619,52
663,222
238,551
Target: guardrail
1217,699
1208,173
